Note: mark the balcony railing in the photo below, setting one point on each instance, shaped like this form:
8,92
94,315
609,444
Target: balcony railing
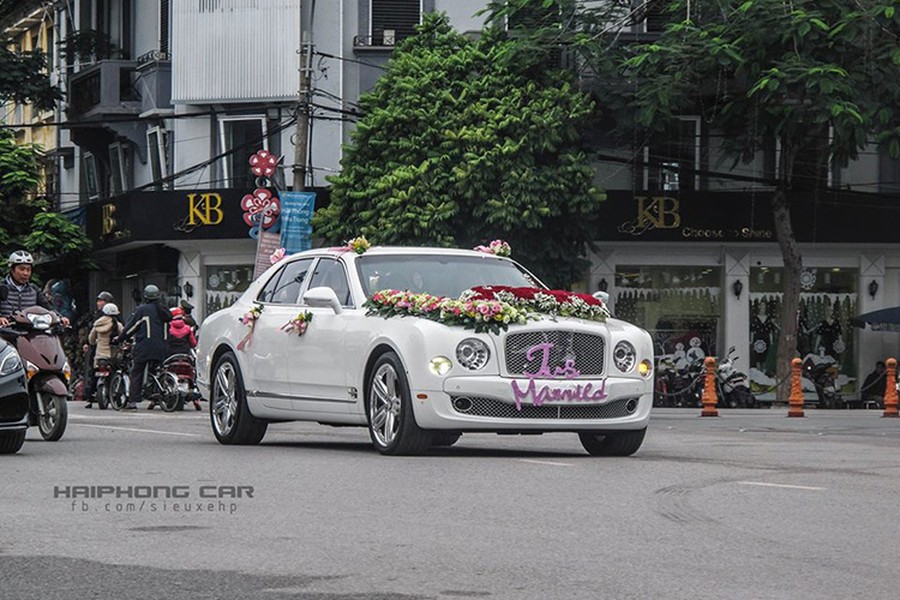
106,88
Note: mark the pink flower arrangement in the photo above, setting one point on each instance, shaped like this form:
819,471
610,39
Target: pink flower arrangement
277,255
497,247
249,319
298,324
480,315
358,244
556,302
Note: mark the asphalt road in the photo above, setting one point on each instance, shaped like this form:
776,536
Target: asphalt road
747,505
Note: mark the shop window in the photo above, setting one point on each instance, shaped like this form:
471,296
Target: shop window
672,158
241,137
394,20
679,306
156,150
828,300
118,168
225,284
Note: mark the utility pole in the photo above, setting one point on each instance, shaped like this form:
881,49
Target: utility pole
301,141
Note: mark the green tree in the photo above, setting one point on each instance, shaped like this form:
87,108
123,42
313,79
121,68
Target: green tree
23,77
26,221
816,77
459,146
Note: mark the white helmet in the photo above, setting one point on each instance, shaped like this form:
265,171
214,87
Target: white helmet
20,257
110,309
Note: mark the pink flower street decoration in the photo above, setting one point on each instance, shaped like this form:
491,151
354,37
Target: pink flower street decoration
277,256
260,208
497,247
263,164
249,319
359,244
298,324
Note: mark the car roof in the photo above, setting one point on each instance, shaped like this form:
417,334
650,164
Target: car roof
400,250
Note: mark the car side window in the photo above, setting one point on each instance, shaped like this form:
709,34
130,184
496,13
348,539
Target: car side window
329,273
284,287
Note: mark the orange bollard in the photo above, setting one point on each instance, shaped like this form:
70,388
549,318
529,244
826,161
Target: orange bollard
709,398
796,398
890,390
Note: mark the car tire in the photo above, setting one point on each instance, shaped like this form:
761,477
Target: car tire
232,422
11,441
623,443
392,424
444,439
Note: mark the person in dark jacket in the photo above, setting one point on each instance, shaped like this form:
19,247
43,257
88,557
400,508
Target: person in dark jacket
18,292
148,325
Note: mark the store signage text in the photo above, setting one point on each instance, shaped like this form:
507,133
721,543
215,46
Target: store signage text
205,209
578,393
664,212
109,226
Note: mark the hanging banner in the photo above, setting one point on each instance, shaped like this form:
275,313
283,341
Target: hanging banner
296,211
267,243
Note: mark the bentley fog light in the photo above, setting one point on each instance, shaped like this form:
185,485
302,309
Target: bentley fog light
473,354
624,356
9,361
645,368
440,365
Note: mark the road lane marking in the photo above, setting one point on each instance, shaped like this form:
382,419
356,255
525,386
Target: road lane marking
546,462
139,430
782,485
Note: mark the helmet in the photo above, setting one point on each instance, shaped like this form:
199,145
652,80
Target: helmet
151,292
110,309
177,313
20,257
105,296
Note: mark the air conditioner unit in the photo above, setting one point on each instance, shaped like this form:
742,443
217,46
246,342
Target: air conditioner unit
389,36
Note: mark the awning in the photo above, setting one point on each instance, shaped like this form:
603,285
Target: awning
886,319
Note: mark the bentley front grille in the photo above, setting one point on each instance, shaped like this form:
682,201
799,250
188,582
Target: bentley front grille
490,407
585,350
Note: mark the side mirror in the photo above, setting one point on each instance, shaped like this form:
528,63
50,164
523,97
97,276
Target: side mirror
323,297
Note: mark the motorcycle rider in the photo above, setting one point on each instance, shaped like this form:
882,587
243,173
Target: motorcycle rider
148,325
105,328
181,338
18,292
103,298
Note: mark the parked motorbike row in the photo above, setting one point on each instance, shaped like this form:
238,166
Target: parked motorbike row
682,384
35,376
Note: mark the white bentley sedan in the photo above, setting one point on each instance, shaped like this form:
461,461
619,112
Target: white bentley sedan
421,345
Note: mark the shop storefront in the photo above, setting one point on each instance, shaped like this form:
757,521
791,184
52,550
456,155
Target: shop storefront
702,272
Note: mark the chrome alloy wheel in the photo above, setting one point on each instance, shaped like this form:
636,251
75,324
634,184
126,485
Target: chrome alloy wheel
224,400
385,404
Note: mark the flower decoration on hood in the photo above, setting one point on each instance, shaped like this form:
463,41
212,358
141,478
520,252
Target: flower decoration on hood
277,255
359,244
497,247
298,324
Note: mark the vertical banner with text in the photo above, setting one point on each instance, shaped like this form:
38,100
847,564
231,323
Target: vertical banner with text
296,212
266,244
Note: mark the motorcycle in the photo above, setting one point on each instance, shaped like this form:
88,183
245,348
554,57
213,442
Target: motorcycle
732,385
102,374
34,332
823,375
182,367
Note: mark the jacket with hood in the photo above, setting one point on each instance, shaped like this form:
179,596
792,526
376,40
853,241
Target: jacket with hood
105,328
181,337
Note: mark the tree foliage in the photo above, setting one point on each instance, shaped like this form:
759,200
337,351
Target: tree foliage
23,75
26,221
459,146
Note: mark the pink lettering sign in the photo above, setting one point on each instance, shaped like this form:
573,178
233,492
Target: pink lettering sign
580,393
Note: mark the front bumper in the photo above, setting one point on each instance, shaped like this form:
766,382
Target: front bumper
13,403
506,404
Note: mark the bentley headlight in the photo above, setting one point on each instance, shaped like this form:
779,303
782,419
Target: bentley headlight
473,354
624,356
9,361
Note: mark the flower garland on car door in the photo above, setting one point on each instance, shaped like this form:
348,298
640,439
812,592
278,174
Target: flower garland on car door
298,324
249,319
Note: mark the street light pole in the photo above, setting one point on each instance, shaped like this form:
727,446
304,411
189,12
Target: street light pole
301,141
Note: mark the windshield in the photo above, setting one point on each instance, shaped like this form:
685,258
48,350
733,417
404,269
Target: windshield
439,274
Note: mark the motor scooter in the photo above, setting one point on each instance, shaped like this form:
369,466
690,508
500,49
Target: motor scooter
824,376
732,385
182,366
34,332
